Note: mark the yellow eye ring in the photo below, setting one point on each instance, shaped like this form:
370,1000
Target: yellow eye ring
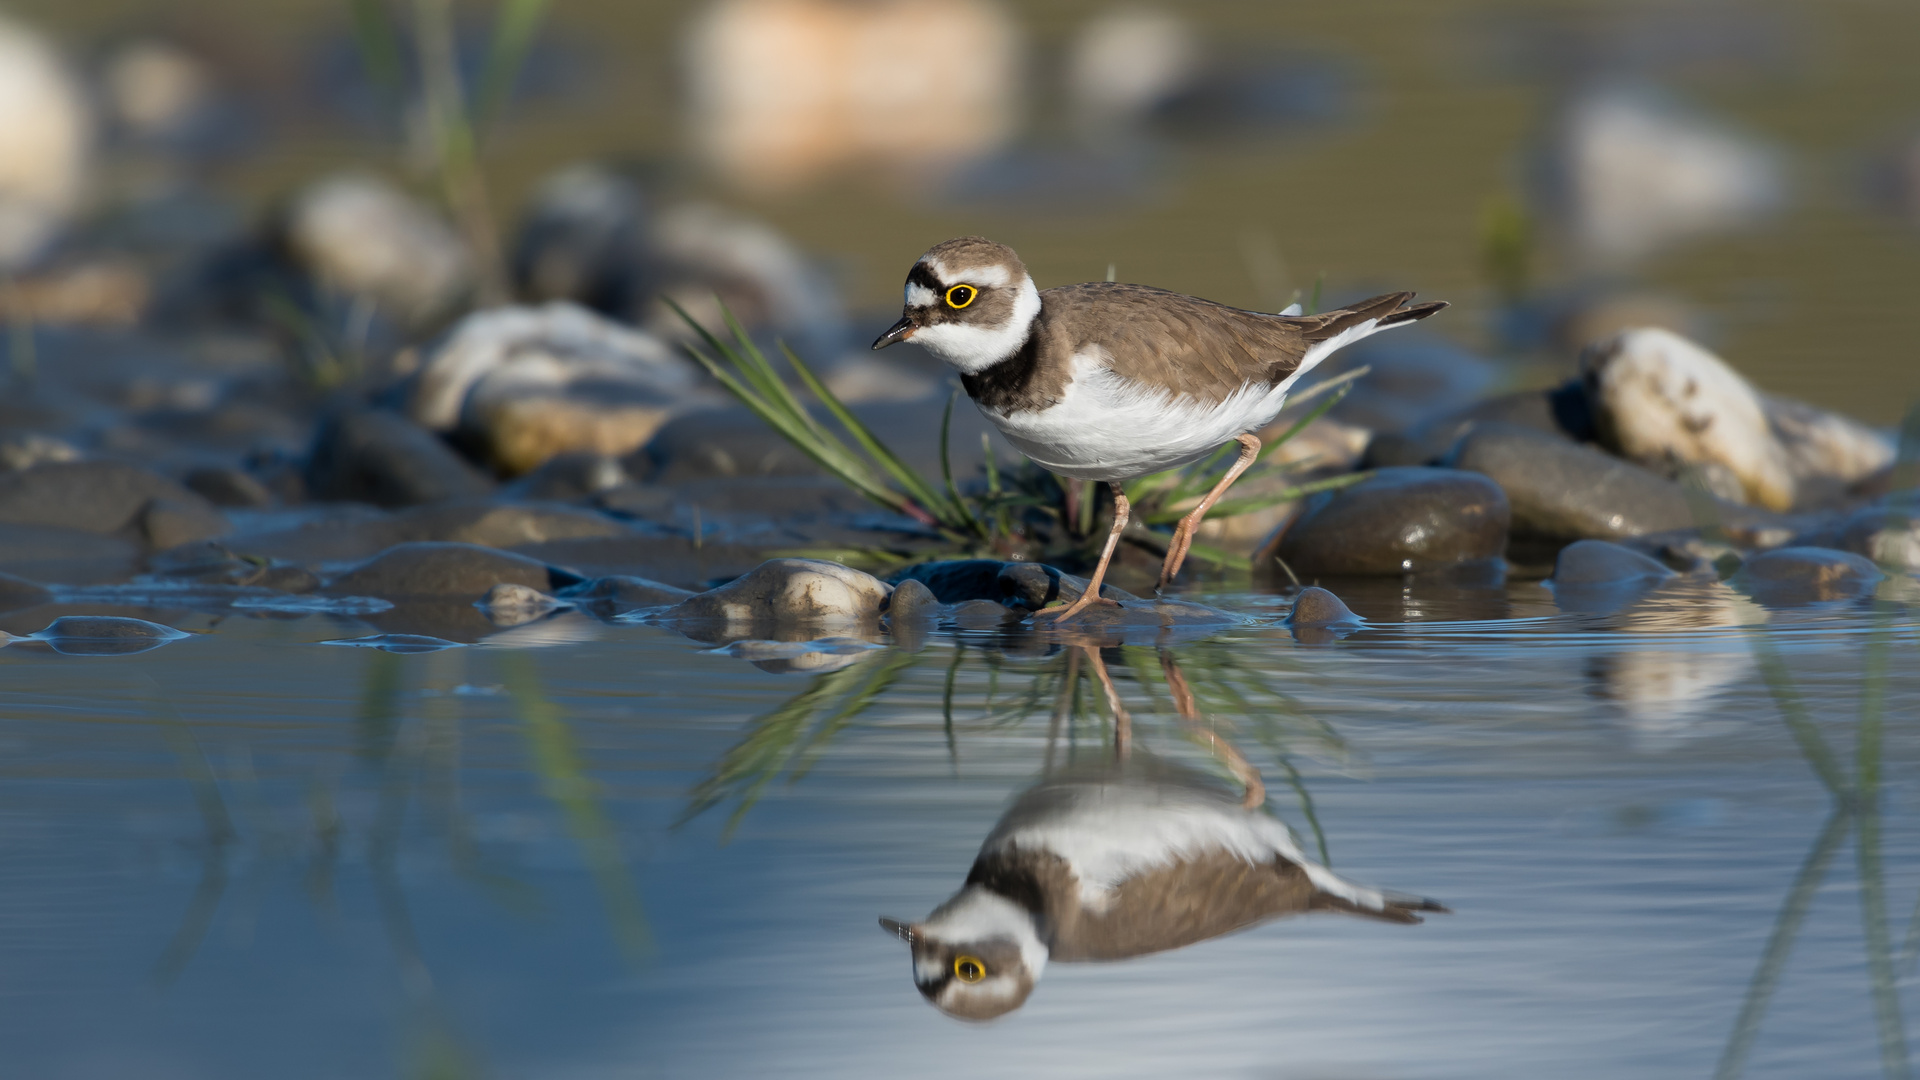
969,969
961,295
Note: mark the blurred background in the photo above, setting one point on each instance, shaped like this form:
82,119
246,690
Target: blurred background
1748,172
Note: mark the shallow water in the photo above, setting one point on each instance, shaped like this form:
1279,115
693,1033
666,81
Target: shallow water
622,853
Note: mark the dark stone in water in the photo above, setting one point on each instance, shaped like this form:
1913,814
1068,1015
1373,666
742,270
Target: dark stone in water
982,615
381,457
1034,586
1804,575
618,594
105,635
1561,411
224,486
912,600
431,569
1400,520
1318,607
106,497
1598,563
212,563
17,593
398,643
955,581
1563,490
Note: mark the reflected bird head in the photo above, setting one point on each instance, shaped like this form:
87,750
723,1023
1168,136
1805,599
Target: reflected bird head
976,957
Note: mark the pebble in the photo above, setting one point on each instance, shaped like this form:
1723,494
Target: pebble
225,486
1399,520
380,457
1887,536
365,238
570,477
618,594
1319,617
583,238
1664,402
45,128
1561,490
105,635
789,591
1598,563
911,601
107,497
1125,63
1804,575
508,604
432,569
17,593
528,383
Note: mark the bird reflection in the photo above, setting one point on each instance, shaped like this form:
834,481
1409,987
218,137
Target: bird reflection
1125,858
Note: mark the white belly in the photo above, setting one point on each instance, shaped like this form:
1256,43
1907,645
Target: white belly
1106,429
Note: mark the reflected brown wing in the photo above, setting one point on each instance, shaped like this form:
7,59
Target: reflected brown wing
1177,905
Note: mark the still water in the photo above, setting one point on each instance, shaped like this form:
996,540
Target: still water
585,849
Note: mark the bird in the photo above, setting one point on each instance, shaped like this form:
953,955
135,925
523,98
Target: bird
1109,381
1113,861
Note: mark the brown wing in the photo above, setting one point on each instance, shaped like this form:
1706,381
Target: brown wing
1178,905
1204,350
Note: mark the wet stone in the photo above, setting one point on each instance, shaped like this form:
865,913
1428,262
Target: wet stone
431,569
618,594
1034,586
166,523
1598,563
234,488
513,605
105,635
1400,520
982,615
789,591
1319,607
1560,490
380,457
102,497
1887,536
570,477
912,600
1805,575
212,563
955,581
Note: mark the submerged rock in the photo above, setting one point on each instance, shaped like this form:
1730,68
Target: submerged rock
619,594
431,569
229,487
513,605
366,238
1889,537
1805,575
17,593
1598,563
1399,520
1319,617
105,635
1664,402
912,600
377,456
1561,490
528,383
789,591
107,497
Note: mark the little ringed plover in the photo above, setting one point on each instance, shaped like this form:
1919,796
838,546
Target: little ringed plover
1106,381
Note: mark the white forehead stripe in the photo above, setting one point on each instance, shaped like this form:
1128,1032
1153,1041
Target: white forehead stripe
993,277
919,295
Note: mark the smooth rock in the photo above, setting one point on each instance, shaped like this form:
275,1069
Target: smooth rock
508,604
362,236
983,615
430,569
1887,536
583,238
213,563
527,383
377,456
30,449
1828,454
166,523
1318,607
66,556
570,477
503,525
156,91
1033,586
1126,62
105,635
618,594
45,129
229,487
955,581
710,257
103,497
912,600
1561,410
1400,520
1561,490
1804,575
1664,402
17,593
1598,563
789,591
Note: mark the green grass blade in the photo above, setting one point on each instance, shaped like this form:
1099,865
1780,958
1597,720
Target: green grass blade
379,43
863,436
1235,507
513,30
961,510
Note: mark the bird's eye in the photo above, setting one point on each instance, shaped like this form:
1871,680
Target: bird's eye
960,296
969,969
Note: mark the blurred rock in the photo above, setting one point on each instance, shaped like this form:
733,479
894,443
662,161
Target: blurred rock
525,384
109,290
1829,455
1397,521
1033,586
1888,536
515,605
212,563
619,594
584,239
778,591
858,379
364,238
1560,490
106,497
45,131
54,555
1410,381
17,593
1561,411
1125,62
1804,575
955,581
912,600
431,569
503,525
26,451
1630,173
1664,402
1598,563
709,256
784,91
155,90
224,486
569,478
377,456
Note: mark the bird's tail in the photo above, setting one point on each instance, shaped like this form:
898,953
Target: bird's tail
1385,310
1394,907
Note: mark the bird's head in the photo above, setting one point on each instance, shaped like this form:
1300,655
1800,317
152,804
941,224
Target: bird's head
969,302
975,958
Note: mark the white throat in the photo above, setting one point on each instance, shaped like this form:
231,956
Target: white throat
971,349
975,914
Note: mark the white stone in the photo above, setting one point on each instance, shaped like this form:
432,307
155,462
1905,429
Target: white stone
1661,400
762,276
508,604
1127,60
154,88
1634,173
809,591
1826,452
783,91
366,238
45,132
532,382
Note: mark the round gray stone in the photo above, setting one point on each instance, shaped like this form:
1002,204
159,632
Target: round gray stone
1399,520
1805,575
429,569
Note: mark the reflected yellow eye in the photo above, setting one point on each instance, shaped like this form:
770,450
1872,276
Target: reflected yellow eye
969,969
960,296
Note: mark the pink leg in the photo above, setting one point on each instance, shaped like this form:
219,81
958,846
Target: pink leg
1183,703
1183,532
1122,722
1121,508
